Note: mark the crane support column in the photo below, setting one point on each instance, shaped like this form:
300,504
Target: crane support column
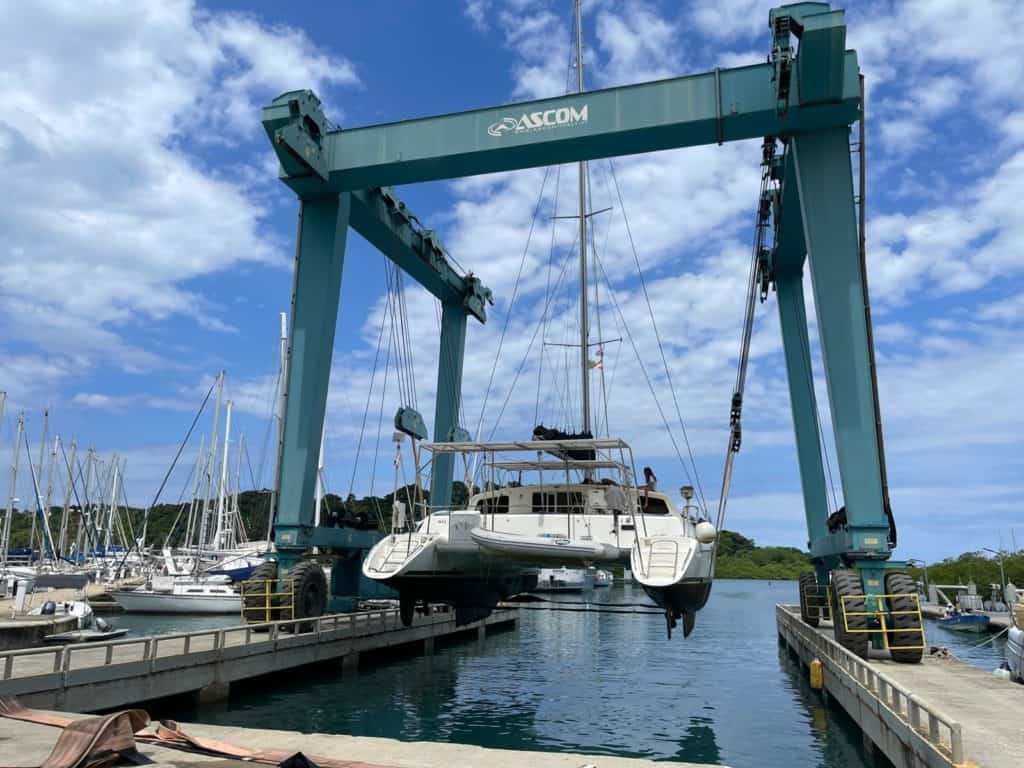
821,160
323,226
449,399
789,257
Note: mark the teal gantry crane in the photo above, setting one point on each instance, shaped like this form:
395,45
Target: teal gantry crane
805,98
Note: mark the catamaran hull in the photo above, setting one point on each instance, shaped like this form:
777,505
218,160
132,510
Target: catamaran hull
152,602
473,595
682,597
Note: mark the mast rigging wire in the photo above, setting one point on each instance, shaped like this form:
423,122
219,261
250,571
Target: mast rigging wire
657,335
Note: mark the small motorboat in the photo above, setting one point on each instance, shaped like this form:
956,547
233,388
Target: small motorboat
964,621
564,580
602,578
101,632
79,609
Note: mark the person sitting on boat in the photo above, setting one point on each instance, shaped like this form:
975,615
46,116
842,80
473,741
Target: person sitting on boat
650,483
615,497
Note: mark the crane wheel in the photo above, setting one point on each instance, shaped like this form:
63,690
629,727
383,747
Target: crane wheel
849,619
810,600
907,646
308,585
257,607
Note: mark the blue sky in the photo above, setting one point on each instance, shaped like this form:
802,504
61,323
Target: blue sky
147,243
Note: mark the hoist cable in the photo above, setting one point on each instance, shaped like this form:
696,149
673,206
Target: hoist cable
760,230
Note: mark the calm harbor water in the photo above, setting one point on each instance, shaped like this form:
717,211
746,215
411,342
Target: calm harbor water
595,683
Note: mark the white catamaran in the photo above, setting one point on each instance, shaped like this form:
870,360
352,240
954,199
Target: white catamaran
581,507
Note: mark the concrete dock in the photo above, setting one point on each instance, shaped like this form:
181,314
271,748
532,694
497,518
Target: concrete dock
939,713
34,743
96,676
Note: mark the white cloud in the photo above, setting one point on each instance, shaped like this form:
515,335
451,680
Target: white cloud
109,215
100,402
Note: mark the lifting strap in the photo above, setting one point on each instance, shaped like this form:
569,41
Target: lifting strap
94,742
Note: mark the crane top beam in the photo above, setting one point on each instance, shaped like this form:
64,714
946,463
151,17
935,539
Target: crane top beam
717,106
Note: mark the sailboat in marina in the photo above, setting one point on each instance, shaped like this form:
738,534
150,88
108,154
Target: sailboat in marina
580,505
184,584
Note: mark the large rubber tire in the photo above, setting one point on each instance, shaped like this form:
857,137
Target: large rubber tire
904,584
255,600
309,585
846,583
809,599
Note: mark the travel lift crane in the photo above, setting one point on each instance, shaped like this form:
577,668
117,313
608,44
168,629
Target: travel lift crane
806,99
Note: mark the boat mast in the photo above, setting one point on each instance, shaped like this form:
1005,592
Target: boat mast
238,532
12,492
584,313
221,533
62,543
39,474
282,399
49,490
211,467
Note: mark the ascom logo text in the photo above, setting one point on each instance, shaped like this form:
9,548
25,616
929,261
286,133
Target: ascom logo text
540,121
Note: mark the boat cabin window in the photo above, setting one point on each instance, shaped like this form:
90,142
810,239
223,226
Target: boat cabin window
493,505
560,503
654,506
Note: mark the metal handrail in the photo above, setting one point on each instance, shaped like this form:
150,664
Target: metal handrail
62,655
880,615
925,719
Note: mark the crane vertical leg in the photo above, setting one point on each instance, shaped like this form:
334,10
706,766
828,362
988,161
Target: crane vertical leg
793,320
790,255
315,297
449,399
825,179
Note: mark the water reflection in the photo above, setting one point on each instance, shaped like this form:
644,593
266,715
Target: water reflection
583,682
837,738
698,744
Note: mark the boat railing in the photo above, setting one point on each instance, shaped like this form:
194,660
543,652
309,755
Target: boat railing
61,659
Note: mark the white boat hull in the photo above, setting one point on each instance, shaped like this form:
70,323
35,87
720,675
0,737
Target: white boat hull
158,602
676,574
1015,652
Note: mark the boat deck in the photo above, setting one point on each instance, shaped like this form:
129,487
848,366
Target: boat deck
941,712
